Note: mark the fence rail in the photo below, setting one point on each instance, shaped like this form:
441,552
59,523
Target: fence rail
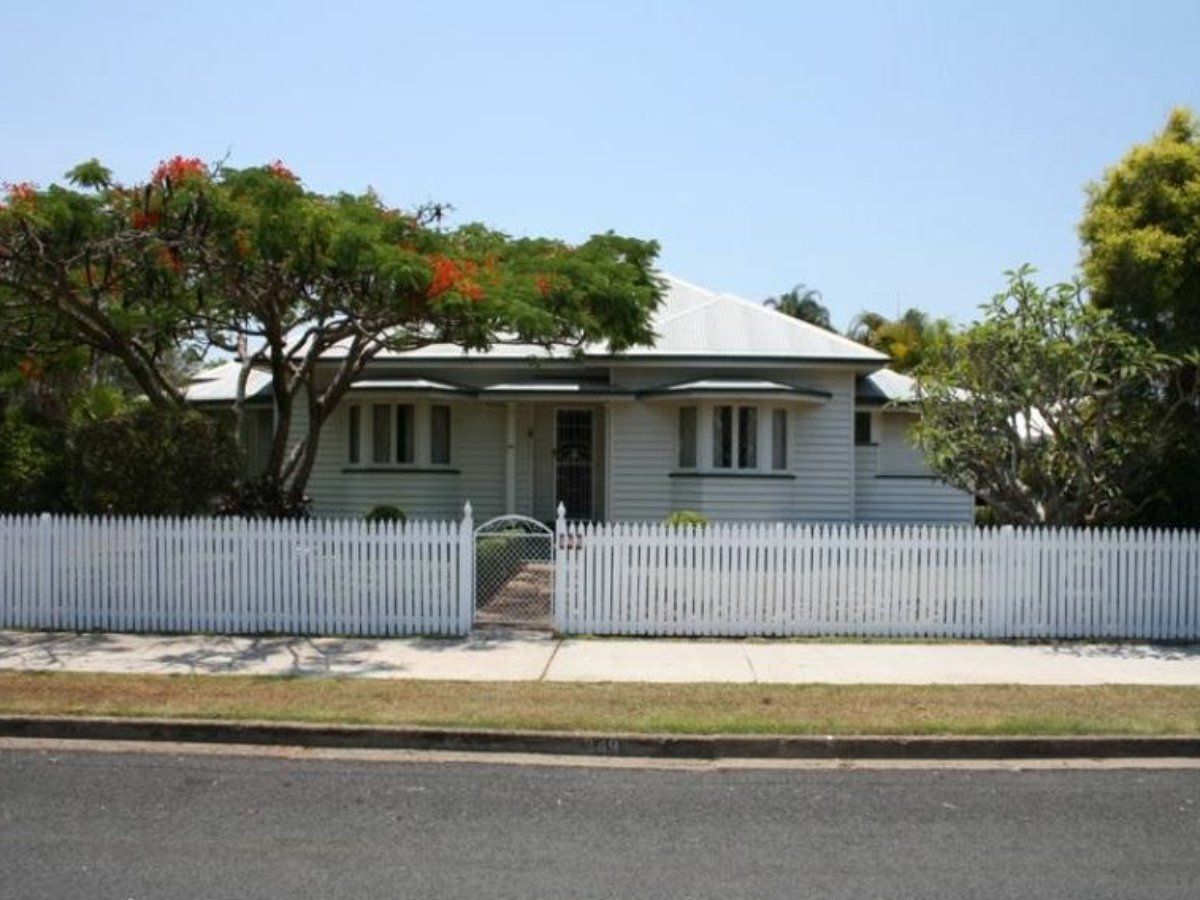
235,576
902,581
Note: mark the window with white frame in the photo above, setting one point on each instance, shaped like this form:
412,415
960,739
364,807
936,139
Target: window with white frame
741,438
687,437
381,433
779,439
406,437
398,434
439,435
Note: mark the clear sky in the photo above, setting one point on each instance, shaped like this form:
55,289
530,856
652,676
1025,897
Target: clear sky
885,153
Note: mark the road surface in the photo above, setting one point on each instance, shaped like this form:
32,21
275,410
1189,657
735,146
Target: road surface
142,825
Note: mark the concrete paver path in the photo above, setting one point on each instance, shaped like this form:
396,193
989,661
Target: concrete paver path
532,657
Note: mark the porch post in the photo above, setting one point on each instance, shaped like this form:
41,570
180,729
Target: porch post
510,457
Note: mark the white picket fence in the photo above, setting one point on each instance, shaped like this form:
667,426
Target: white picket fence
868,580
236,576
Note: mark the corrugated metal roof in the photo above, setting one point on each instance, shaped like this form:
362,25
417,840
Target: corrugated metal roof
886,386
696,322
219,384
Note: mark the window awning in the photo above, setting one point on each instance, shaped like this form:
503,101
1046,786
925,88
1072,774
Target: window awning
736,389
555,390
409,386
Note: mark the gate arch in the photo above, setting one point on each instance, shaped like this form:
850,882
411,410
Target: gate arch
514,573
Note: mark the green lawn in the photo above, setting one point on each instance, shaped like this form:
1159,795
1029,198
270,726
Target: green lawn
679,709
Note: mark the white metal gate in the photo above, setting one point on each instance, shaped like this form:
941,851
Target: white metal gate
514,573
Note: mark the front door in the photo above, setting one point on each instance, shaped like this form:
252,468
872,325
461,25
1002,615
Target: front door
573,454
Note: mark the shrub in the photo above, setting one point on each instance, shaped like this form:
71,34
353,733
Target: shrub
682,518
31,464
262,498
386,513
150,461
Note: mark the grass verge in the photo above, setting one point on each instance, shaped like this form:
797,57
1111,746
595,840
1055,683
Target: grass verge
677,709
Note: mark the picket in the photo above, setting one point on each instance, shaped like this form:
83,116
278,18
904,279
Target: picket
885,580
233,576
349,577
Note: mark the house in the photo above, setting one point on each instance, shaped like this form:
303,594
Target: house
737,411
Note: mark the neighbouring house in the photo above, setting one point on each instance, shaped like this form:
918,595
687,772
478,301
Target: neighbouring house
737,412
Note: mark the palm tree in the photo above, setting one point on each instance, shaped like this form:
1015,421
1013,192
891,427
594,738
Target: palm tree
802,303
906,339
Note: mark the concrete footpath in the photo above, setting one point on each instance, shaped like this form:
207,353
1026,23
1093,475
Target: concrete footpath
537,657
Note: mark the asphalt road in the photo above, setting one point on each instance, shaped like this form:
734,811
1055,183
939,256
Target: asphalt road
149,826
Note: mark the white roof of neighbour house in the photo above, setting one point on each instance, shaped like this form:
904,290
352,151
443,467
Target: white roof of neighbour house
695,322
886,386
219,384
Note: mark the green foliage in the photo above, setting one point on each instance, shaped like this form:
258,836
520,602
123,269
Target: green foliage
802,303
150,461
262,498
247,257
31,464
385,513
686,518
1043,410
1141,258
1141,237
907,340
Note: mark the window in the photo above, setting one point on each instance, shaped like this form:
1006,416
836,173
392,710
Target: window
355,434
730,444
722,451
779,439
687,437
747,455
862,428
405,442
381,433
439,435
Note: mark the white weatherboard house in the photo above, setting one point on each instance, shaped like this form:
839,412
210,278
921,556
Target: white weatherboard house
737,412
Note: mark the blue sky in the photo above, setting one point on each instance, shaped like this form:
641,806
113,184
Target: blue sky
888,154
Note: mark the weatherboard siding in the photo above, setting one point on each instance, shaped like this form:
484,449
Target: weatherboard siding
891,498
643,458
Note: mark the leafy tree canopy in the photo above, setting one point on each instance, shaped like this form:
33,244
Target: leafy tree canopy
1043,409
1141,236
308,286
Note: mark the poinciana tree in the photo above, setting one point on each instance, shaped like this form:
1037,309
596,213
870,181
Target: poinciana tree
307,286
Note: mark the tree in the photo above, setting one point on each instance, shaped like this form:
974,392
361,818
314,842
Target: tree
1043,410
1141,237
802,303
1141,260
905,339
106,267
306,286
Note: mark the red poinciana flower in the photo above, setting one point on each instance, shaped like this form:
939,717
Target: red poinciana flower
169,257
178,168
142,220
30,369
544,285
279,170
21,192
445,276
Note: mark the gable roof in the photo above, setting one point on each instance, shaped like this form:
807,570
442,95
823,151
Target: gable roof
695,323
